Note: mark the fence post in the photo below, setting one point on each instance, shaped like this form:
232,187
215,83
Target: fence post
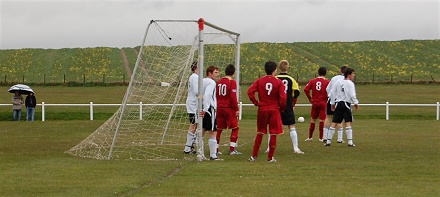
240,109
91,110
387,113
42,112
140,110
438,110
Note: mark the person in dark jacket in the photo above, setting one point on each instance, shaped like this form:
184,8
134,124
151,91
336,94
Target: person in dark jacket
30,103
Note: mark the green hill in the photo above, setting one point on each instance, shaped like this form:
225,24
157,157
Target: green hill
374,61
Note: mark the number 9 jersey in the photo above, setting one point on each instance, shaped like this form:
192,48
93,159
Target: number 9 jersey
271,93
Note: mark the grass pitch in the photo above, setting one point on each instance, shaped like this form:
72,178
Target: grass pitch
398,157
392,158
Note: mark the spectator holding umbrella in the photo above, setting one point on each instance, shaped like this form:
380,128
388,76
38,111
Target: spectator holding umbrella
30,103
17,105
17,100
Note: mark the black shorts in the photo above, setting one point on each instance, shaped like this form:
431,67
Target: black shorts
329,111
342,112
288,117
192,118
209,120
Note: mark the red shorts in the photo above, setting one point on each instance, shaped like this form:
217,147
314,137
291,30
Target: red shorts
318,110
271,118
226,119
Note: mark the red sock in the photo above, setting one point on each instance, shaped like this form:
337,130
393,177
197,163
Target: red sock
257,144
321,129
272,146
233,138
311,129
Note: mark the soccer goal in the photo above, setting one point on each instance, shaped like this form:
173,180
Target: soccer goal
152,122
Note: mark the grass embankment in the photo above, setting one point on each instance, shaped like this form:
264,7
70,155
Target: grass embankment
408,61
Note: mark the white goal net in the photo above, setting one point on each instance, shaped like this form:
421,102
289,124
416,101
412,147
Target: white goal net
152,122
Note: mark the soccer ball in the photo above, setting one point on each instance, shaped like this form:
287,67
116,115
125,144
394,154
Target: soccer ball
301,119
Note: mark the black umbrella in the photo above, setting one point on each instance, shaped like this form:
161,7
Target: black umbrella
23,89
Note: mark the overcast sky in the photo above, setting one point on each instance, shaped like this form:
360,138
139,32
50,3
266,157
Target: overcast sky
122,23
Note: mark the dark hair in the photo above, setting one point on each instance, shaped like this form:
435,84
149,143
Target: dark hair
269,67
211,69
322,71
230,69
194,66
348,71
343,68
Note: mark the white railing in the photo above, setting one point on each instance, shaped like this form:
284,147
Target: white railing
91,105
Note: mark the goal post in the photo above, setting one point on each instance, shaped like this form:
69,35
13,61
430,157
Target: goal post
152,122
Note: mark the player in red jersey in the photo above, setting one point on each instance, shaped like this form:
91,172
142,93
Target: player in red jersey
271,100
227,108
318,99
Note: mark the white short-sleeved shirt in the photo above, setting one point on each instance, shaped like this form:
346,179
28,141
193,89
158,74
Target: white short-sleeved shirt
332,82
209,98
193,90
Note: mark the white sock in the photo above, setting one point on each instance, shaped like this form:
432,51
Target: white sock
340,130
194,138
268,139
202,146
212,143
190,138
325,133
331,132
294,137
349,133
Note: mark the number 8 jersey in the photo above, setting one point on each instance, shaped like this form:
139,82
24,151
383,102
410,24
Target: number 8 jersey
290,85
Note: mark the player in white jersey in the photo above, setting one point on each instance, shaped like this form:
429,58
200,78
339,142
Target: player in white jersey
191,108
343,94
209,110
329,112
